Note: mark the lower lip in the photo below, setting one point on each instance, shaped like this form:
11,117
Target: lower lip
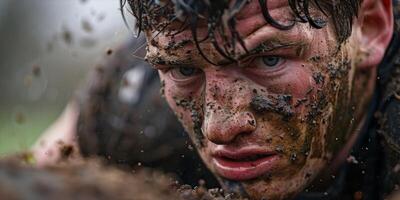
244,170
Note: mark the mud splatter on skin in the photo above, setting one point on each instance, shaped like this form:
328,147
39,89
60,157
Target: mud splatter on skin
281,104
339,85
197,119
162,89
318,78
172,45
316,108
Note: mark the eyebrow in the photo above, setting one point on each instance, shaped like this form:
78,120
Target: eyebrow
268,46
160,62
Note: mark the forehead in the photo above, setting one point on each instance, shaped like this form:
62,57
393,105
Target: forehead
253,7
250,25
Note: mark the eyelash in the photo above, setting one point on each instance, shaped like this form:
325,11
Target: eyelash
282,60
252,63
254,68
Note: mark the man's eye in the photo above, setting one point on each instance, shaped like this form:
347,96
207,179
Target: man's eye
182,73
271,61
187,71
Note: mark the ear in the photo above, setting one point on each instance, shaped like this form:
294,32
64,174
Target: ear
376,30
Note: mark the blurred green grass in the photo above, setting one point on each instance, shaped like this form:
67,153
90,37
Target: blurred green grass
20,128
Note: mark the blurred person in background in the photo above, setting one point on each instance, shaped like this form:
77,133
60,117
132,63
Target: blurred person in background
120,115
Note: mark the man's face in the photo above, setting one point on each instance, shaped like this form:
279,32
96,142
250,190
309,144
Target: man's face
270,123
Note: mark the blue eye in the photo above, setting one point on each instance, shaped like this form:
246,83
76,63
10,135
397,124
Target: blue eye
183,73
271,61
187,71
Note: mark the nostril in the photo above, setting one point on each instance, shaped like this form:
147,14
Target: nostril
251,121
225,131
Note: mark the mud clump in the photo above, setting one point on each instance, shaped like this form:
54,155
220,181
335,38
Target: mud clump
109,51
280,105
187,193
318,78
36,70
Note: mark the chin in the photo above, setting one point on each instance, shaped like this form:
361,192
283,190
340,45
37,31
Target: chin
279,185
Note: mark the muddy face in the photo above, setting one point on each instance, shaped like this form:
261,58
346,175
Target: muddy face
271,122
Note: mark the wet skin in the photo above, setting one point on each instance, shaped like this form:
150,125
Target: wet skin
273,121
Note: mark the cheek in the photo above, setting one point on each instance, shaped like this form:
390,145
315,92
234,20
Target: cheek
296,81
177,101
186,105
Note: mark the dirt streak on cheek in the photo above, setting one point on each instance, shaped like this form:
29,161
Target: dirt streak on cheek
279,112
185,106
327,115
280,104
343,115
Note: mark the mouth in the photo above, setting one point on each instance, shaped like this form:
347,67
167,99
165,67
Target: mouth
244,164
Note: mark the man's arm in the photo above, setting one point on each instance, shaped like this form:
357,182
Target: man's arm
59,139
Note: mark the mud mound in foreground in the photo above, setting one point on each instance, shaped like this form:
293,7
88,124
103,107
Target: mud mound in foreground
93,180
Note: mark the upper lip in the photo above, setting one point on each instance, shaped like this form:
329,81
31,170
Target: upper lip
242,153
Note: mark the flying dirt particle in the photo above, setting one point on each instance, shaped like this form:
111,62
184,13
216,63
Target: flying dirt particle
67,36
352,159
109,51
101,17
20,118
86,26
36,71
99,69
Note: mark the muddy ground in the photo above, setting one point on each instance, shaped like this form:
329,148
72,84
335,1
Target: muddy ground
93,179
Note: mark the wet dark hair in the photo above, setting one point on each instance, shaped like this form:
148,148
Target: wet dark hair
220,16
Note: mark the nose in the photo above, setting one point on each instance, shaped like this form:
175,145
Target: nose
226,111
223,128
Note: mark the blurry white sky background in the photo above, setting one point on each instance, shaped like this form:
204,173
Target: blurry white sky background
64,39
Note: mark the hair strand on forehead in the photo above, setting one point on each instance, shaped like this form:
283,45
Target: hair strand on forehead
220,17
